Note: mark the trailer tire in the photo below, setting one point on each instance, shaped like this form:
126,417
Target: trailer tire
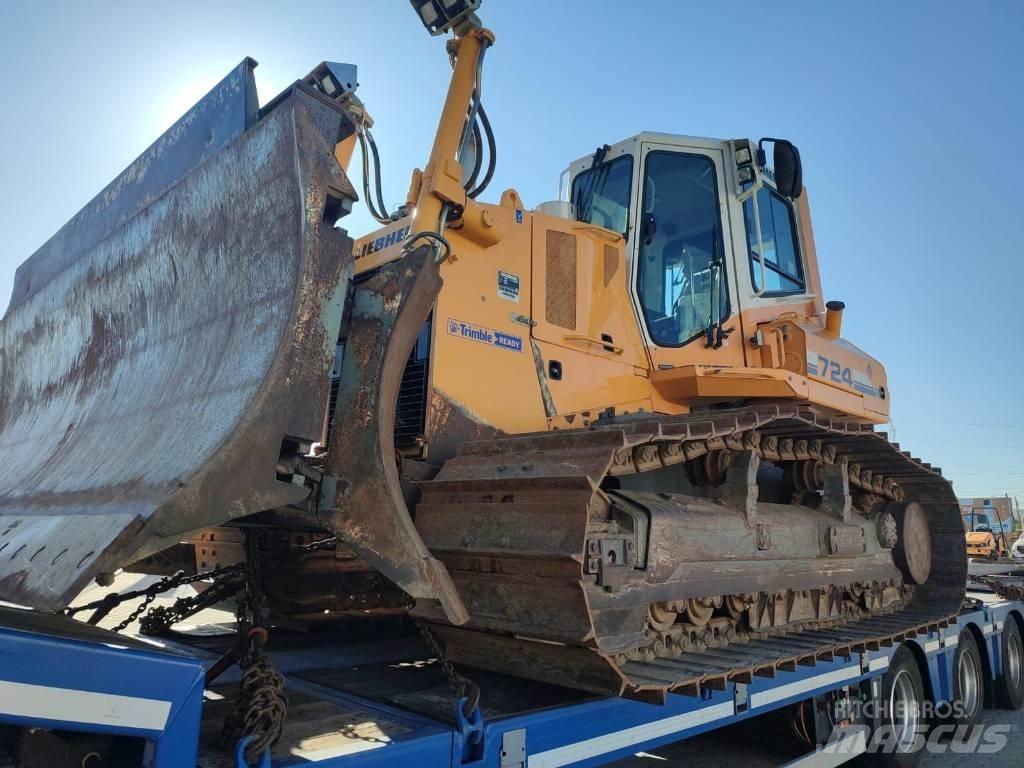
1010,684
903,696
968,681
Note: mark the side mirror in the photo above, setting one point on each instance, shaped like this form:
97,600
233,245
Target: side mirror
789,174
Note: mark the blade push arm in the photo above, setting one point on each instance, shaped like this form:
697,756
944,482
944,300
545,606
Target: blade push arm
362,494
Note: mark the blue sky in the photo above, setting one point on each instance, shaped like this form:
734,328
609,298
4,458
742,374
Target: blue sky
907,116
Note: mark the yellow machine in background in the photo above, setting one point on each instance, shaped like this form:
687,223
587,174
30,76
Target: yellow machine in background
984,539
983,543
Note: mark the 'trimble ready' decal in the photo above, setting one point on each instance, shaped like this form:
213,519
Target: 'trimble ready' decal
484,335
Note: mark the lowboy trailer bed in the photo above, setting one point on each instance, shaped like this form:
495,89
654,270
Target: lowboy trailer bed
359,701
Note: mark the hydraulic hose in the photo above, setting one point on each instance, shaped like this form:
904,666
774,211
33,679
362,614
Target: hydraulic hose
478,118
492,154
478,157
376,174
364,151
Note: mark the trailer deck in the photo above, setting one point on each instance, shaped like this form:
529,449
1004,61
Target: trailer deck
372,695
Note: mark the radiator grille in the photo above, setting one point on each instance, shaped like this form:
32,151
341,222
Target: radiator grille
411,414
339,355
560,291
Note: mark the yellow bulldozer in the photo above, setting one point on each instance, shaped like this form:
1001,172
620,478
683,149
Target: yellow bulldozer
615,441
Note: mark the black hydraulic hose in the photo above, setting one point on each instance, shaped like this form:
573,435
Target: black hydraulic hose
478,158
367,197
492,153
376,175
470,123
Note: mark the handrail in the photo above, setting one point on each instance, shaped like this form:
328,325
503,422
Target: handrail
605,234
614,348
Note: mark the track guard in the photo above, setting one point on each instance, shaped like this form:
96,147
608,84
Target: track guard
361,495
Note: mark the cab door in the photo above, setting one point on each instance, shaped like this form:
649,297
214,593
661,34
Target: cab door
683,283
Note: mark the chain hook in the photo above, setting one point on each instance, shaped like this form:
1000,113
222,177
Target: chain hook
240,759
467,692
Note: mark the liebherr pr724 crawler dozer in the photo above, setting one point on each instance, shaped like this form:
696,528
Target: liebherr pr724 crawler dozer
615,442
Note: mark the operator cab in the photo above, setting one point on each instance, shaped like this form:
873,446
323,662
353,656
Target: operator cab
710,232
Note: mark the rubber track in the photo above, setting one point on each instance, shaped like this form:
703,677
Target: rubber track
489,551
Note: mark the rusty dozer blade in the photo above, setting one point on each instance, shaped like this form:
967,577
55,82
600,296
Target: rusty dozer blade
166,346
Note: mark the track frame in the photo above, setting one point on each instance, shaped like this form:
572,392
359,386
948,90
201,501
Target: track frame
511,519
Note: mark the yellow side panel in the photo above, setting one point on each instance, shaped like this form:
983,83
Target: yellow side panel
481,362
591,383
584,321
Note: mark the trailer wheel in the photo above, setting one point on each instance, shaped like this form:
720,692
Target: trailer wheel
1010,684
968,681
901,715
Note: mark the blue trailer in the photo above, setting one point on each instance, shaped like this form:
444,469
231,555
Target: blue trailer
372,696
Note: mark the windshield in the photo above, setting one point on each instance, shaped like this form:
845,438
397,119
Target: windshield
681,273
601,195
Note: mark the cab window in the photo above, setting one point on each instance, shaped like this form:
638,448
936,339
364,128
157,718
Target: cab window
782,271
680,274
601,195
